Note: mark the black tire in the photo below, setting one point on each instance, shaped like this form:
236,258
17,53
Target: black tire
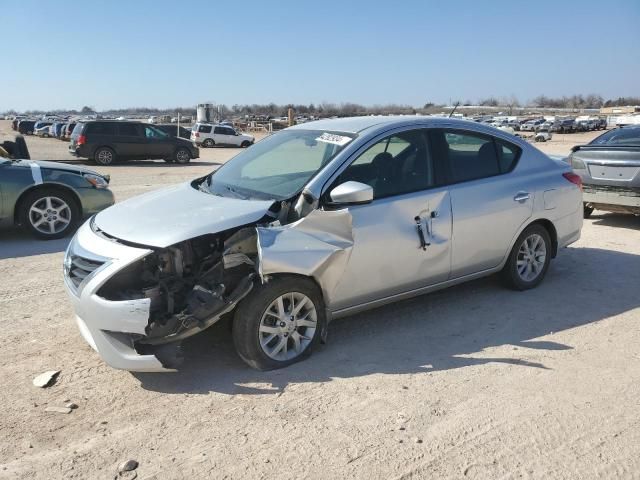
36,196
248,314
587,211
208,143
510,271
182,156
104,156
245,144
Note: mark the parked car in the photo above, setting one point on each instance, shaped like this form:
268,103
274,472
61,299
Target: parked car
317,221
174,131
26,127
209,135
543,135
43,131
49,199
566,125
546,126
609,167
582,126
531,125
107,141
67,130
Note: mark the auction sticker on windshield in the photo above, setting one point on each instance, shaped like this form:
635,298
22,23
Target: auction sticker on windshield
333,138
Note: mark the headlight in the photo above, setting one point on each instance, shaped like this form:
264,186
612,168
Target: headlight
96,180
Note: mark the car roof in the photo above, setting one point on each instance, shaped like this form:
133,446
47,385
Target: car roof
359,124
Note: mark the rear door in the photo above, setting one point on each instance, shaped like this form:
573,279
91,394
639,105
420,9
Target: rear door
130,142
100,134
490,201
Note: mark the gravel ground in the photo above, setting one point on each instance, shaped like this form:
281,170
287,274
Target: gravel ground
472,382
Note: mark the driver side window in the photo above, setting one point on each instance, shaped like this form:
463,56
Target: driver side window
395,165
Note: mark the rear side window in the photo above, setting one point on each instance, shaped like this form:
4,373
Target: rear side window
204,128
508,155
101,128
128,129
469,156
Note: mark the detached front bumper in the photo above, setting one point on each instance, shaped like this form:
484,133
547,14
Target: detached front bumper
109,327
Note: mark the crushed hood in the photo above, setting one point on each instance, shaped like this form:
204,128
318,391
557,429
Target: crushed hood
174,214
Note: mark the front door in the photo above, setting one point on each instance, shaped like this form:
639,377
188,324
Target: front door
159,144
402,238
225,136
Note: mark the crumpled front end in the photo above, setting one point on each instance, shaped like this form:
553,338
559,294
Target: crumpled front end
135,304
318,245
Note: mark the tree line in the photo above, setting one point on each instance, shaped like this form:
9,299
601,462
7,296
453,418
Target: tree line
326,109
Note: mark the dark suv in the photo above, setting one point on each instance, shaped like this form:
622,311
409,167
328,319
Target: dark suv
106,141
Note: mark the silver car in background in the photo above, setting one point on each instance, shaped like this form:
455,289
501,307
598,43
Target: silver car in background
313,223
610,170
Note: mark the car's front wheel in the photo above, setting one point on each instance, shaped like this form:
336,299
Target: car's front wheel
49,213
245,144
279,322
529,259
182,156
104,156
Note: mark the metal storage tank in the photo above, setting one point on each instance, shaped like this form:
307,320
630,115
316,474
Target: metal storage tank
206,112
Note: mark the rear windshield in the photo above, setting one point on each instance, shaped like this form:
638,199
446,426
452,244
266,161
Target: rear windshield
619,136
77,130
204,128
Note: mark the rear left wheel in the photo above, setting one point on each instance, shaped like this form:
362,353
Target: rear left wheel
279,322
529,259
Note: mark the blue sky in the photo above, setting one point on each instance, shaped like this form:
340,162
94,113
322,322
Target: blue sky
157,53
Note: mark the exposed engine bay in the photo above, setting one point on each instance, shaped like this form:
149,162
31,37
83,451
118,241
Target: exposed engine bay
190,285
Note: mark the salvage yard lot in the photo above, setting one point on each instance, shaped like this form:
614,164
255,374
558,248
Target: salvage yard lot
472,382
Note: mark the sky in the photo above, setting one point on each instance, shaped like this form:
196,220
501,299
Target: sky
157,53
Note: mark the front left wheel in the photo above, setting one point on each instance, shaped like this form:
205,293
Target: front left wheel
182,156
279,322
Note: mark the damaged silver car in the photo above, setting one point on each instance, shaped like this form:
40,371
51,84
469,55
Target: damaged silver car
315,222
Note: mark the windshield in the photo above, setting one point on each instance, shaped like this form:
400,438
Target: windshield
277,167
619,136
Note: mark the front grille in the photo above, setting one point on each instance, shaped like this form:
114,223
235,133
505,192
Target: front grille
78,268
624,191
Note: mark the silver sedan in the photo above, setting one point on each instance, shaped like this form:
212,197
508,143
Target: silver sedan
313,223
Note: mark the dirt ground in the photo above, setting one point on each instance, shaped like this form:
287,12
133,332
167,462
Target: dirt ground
472,382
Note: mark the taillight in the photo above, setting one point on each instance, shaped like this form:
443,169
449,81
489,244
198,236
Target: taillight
573,178
81,140
196,134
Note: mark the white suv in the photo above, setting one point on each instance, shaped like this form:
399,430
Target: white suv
208,135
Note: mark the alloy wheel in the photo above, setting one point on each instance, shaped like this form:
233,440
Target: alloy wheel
531,257
288,326
50,215
105,157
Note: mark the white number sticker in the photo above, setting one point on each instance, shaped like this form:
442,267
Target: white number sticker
333,138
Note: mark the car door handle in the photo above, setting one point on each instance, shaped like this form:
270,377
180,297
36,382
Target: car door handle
521,197
421,235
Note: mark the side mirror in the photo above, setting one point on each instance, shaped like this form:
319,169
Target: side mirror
351,193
